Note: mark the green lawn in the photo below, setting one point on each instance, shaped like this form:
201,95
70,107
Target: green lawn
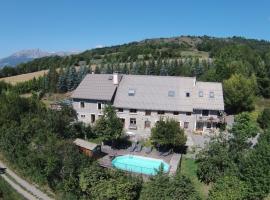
189,168
7,192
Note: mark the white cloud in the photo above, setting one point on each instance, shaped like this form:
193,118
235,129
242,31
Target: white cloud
99,46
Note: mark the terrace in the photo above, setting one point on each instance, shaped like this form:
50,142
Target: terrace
172,159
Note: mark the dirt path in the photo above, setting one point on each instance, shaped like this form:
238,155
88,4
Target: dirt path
26,189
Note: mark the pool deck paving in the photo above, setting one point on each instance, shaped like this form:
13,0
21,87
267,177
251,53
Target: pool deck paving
173,159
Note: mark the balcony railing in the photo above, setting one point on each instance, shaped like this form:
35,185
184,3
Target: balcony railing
217,119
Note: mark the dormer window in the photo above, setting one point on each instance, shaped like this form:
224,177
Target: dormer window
187,94
211,95
131,92
200,93
171,93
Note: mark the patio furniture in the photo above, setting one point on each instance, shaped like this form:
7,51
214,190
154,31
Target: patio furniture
167,153
133,147
139,148
148,150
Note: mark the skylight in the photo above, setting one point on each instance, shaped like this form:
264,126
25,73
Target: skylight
131,92
200,93
171,93
211,95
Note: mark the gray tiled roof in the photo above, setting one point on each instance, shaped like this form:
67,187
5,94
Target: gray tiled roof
151,93
206,102
95,86
85,144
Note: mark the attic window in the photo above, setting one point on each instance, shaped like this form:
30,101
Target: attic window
187,94
200,93
131,92
211,95
110,78
171,93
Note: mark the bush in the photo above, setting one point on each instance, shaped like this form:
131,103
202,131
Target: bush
264,119
228,188
168,133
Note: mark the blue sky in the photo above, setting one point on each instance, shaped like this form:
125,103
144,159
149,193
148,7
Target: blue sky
56,25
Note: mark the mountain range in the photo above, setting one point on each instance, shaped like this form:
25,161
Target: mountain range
28,55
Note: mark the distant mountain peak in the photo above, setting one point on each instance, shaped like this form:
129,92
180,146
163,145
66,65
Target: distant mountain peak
27,55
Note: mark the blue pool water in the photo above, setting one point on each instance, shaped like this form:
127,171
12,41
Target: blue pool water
139,164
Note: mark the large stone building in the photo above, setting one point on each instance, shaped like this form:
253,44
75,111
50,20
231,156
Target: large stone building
142,100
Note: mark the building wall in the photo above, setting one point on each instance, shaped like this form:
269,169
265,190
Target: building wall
90,108
141,117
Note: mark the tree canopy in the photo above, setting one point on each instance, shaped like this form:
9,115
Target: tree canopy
168,133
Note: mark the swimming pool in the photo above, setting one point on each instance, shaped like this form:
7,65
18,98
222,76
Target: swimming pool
139,164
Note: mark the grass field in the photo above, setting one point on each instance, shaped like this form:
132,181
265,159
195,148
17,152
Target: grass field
23,77
7,192
189,168
199,54
51,98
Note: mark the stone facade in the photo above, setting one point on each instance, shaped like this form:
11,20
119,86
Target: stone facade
141,121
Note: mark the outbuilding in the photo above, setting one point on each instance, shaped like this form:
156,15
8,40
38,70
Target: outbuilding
88,148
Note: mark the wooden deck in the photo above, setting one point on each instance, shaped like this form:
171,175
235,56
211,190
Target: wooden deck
173,159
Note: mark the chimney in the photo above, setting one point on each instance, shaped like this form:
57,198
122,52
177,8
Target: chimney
115,78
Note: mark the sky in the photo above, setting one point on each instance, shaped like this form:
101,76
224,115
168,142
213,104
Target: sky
77,25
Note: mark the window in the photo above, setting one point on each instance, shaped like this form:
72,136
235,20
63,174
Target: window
147,124
161,112
131,92
82,116
187,94
120,109
186,125
208,125
123,121
188,113
171,93
205,112
148,112
211,95
132,121
82,104
200,93
93,118
133,111
99,106
175,113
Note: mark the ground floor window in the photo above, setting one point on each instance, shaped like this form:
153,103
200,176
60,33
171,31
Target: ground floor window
147,124
93,118
186,125
199,126
123,121
132,121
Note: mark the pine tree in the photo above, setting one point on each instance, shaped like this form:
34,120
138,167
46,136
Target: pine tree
125,69
52,79
72,79
62,84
